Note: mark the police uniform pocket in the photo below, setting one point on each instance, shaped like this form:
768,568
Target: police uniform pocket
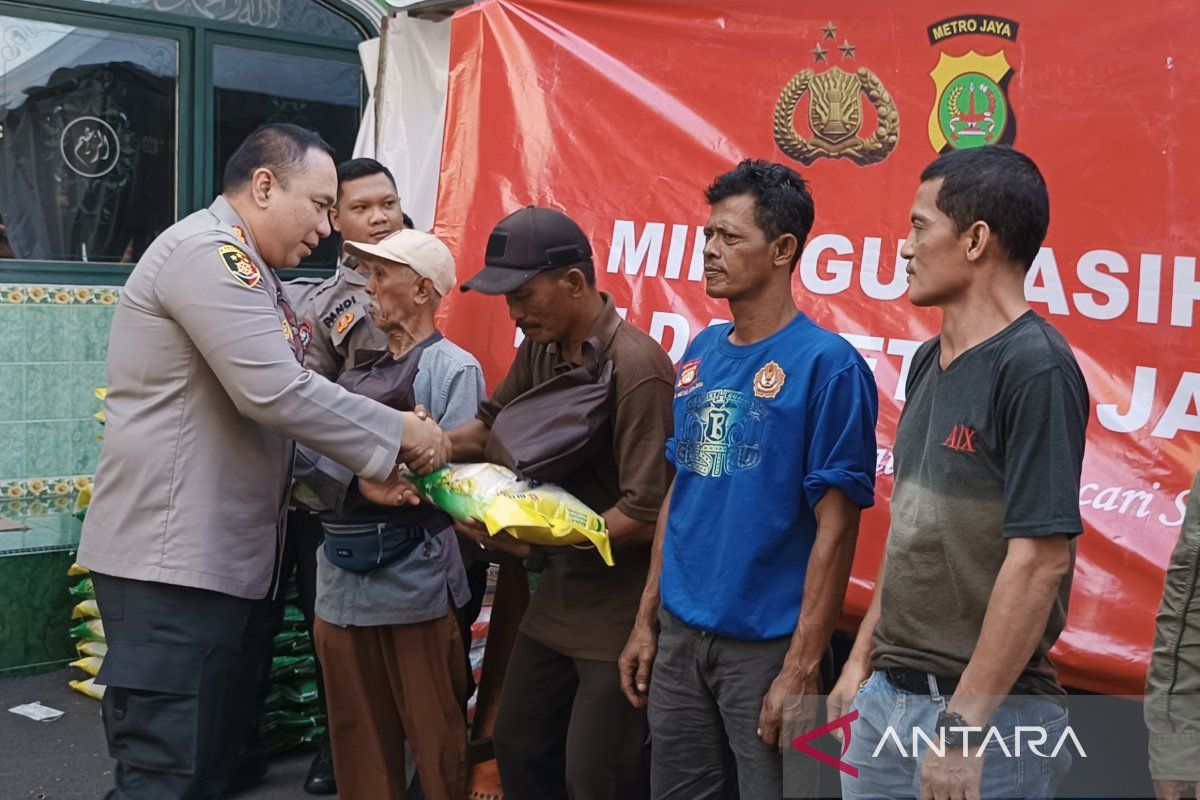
151,707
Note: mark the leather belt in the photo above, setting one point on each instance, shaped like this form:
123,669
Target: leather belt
917,682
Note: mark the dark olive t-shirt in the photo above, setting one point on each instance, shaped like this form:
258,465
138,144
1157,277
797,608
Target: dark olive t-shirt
988,449
582,607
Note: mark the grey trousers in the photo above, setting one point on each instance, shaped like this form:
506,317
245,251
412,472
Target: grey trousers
706,693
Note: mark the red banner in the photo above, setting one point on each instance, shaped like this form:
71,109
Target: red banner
621,113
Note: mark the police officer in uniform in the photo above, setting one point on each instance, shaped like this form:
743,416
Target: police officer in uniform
206,394
334,323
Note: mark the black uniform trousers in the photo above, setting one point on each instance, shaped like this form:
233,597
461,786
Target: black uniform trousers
182,668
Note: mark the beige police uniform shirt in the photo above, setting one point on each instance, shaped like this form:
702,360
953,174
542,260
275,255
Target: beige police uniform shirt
205,395
335,325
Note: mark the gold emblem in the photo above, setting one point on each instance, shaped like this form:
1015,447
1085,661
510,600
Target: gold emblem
769,380
345,321
287,330
835,112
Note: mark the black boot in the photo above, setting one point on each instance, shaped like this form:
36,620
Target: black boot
320,774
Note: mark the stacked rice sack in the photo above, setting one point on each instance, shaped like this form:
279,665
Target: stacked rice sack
292,713
88,632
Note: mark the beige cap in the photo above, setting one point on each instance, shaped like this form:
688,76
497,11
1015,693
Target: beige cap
423,252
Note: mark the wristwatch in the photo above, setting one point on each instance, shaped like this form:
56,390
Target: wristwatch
954,739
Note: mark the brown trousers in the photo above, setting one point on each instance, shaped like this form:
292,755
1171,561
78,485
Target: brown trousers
388,683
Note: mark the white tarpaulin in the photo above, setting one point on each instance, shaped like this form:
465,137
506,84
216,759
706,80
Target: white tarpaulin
403,125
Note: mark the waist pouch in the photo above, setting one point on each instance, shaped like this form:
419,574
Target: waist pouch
366,546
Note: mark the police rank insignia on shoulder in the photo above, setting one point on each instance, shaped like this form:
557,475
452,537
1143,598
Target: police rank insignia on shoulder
345,321
240,266
768,381
287,330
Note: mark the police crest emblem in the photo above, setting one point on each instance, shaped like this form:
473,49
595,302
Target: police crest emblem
835,112
240,266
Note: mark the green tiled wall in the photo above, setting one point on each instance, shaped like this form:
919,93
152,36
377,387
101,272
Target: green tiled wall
51,361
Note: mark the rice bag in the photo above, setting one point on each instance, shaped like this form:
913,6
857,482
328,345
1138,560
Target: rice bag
87,647
91,665
86,609
304,691
294,643
89,687
293,617
538,513
75,569
83,589
89,629
287,667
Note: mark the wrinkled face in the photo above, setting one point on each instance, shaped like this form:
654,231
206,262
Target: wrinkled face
296,215
396,291
737,255
544,308
367,210
937,267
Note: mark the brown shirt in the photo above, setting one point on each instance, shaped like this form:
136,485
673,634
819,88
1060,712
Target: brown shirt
583,608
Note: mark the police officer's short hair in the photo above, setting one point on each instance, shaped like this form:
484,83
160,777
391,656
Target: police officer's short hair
357,168
279,147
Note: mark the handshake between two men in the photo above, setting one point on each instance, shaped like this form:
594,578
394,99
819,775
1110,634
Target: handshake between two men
425,447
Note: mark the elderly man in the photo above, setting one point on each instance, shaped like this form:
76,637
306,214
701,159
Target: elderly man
205,395
386,631
774,449
334,327
562,729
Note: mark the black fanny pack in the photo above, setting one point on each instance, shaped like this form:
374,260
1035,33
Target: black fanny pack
366,546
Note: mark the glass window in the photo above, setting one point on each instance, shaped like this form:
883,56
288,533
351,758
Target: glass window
87,141
252,88
296,16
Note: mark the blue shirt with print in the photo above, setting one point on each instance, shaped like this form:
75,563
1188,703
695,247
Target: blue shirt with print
762,431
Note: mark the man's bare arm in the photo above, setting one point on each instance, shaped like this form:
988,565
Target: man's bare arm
468,441
1015,621
825,584
637,658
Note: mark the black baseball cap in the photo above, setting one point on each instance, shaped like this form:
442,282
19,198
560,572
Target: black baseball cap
525,243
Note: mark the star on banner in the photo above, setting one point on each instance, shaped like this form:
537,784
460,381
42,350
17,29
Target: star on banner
819,54
830,30
847,49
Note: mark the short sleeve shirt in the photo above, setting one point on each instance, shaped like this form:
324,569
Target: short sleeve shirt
988,449
583,608
762,432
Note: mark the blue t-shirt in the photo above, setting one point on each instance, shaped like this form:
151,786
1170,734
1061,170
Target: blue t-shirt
761,432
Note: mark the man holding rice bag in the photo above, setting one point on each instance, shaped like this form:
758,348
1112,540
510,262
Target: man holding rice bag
774,446
562,727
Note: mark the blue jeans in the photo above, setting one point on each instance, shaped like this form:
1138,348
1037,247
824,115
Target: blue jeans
893,769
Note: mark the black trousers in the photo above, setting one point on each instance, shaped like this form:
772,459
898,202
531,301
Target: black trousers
182,668
564,730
